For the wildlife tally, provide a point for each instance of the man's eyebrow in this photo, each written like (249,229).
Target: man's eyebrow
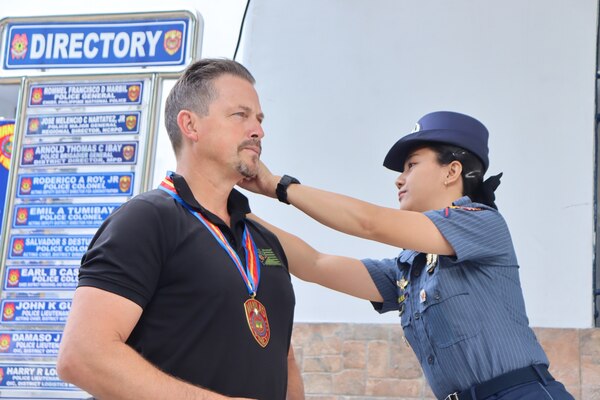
(260,116)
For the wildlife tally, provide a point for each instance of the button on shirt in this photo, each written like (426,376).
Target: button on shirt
(465,318)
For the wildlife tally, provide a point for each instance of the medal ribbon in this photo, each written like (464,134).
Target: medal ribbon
(251,273)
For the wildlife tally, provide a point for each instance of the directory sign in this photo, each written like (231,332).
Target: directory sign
(96,44)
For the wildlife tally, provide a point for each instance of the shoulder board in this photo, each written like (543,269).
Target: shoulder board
(467,208)
(447,209)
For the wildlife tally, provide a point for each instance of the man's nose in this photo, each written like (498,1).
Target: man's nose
(257,131)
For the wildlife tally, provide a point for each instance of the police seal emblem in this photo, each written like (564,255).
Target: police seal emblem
(6,139)
(172,41)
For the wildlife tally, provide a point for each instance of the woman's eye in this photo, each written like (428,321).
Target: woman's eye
(410,165)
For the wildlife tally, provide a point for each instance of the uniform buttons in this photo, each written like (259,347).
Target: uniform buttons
(437,295)
(416,272)
(430,359)
(417,315)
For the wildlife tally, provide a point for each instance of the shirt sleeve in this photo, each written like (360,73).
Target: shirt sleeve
(125,256)
(384,274)
(476,234)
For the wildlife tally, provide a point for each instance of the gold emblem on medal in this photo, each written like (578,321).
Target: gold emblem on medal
(256,315)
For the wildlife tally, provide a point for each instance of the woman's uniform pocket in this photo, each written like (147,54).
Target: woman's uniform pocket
(450,315)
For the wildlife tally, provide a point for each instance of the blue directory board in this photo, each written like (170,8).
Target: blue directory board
(86,126)
(126,43)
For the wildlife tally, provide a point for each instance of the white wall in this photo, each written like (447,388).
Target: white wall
(341,81)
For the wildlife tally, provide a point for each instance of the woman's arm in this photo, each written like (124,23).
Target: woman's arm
(344,274)
(403,229)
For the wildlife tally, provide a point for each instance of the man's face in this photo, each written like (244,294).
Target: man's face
(233,125)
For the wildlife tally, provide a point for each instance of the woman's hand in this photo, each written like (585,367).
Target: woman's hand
(263,183)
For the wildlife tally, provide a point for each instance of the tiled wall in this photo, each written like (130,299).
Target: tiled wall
(370,361)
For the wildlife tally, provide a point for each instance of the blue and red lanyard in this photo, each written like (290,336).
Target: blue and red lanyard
(251,273)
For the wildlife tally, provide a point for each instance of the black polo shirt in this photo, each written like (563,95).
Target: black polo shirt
(154,252)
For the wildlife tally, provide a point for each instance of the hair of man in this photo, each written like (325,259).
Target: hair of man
(194,91)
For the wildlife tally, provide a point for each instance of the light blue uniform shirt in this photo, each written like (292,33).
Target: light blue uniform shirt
(465,319)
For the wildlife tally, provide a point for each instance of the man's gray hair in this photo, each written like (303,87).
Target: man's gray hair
(194,91)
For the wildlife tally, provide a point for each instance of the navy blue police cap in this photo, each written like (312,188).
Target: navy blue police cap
(444,127)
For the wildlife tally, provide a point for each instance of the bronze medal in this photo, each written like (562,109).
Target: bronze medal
(256,315)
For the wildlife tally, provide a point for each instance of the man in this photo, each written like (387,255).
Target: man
(174,301)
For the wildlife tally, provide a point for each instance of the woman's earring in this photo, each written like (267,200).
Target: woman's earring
(445,183)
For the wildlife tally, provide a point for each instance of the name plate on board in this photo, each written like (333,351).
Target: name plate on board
(16,344)
(75,185)
(48,247)
(31,376)
(85,94)
(39,312)
(87,215)
(40,278)
(84,124)
(82,153)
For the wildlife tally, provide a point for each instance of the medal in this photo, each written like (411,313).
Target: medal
(256,315)
(255,311)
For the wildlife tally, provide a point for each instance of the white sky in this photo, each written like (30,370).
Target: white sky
(222,18)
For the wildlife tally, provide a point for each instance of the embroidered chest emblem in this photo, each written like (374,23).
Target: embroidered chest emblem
(268,258)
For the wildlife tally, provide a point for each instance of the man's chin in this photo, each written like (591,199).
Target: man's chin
(247,172)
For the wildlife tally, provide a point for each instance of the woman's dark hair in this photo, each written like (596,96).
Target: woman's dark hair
(474,186)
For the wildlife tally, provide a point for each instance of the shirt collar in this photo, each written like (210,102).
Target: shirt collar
(462,201)
(237,203)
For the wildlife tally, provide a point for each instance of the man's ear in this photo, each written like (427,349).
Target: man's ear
(188,124)
(454,171)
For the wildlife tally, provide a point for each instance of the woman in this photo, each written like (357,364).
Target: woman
(456,286)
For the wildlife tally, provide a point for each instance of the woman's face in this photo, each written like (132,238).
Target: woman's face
(421,185)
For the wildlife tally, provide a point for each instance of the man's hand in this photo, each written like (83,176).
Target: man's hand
(263,183)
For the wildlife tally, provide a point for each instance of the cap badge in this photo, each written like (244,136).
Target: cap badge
(417,128)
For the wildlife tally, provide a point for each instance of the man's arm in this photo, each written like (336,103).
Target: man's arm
(295,388)
(93,354)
